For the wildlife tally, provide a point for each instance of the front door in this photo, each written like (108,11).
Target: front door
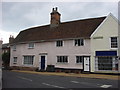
(42,62)
(86,63)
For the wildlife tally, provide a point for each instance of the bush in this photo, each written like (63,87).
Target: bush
(6,59)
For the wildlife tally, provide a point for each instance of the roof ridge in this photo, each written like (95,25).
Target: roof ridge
(64,22)
(84,19)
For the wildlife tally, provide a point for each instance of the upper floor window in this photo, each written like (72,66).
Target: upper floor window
(79,59)
(28,60)
(31,45)
(79,42)
(14,47)
(14,60)
(114,43)
(62,59)
(59,43)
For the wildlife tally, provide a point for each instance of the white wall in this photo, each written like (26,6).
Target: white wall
(50,48)
(109,28)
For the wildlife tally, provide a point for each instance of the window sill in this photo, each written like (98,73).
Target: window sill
(30,47)
(59,46)
(79,63)
(14,63)
(27,65)
(113,48)
(79,46)
(62,63)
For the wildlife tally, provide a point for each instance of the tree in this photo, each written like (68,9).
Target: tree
(6,59)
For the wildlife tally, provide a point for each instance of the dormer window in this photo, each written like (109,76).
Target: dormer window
(31,45)
(79,42)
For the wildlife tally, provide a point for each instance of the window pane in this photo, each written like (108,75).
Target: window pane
(105,63)
(62,59)
(15,59)
(82,42)
(28,60)
(75,42)
(79,59)
(31,45)
(59,43)
(114,42)
(79,42)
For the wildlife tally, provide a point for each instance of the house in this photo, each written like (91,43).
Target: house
(104,46)
(6,51)
(73,45)
(6,46)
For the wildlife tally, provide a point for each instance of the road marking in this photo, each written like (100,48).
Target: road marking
(24,78)
(52,85)
(74,81)
(106,86)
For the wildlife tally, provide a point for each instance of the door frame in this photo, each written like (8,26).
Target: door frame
(89,64)
(42,54)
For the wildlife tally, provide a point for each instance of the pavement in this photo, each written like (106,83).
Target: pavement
(80,75)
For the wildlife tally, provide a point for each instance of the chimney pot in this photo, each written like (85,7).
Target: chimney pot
(53,10)
(56,8)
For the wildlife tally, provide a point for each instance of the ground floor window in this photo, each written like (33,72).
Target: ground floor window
(28,60)
(79,59)
(14,60)
(106,63)
(62,59)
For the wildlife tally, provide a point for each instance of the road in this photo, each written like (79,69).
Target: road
(26,80)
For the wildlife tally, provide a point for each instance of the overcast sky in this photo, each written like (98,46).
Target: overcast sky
(18,16)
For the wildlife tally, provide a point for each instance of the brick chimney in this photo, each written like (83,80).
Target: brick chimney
(11,38)
(55,18)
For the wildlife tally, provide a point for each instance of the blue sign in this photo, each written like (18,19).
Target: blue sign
(106,53)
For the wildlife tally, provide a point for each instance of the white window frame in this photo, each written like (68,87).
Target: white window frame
(111,42)
(28,64)
(14,47)
(80,43)
(59,45)
(79,62)
(62,56)
(14,60)
(96,63)
(31,45)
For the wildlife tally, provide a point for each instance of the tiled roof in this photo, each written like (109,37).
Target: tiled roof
(73,29)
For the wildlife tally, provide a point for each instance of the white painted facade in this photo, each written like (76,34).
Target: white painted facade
(100,39)
(51,52)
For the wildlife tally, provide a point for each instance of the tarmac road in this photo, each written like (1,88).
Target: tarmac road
(28,80)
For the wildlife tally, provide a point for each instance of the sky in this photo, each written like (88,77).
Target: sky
(18,15)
